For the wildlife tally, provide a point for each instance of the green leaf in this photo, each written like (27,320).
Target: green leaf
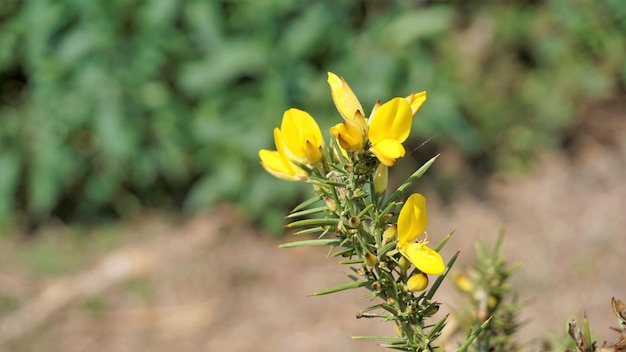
(443,242)
(313,222)
(389,339)
(414,25)
(437,283)
(352,261)
(307,203)
(309,243)
(307,212)
(343,287)
(473,336)
(346,252)
(310,231)
(408,183)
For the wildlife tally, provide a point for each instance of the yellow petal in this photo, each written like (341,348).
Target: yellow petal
(424,258)
(279,167)
(392,120)
(416,100)
(345,100)
(388,151)
(302,135)
(413,219)
(349,135)
(312,153)
(278,162)
(376,106)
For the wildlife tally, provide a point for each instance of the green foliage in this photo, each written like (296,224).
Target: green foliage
(491,297)
(109,106)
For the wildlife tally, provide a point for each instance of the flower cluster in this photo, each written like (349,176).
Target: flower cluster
(299,139)
(349,175)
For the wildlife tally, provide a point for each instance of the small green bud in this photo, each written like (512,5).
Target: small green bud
(354,222)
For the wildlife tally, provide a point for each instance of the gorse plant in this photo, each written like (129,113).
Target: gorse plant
(491,296)
(352,213)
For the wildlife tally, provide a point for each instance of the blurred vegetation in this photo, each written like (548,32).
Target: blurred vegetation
(107,107)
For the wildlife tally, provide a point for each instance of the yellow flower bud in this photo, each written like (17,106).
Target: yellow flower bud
(390,233)
(417,282)
(491,301)
(370,259)
(404,263)
(330,204)
(463,283)
(380,179)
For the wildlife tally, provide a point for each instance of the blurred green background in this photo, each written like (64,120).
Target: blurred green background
(108,107)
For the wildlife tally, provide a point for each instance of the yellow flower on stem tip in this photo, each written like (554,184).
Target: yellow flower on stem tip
(412,223)
(302,136)
(278,163)
(389,126)
(352,132)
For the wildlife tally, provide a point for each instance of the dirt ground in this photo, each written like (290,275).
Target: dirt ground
(213,283)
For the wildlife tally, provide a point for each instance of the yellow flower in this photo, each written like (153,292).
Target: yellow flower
(352,132)
(278,163)
(302,136)
(389,126)
(298,139)
(412,223)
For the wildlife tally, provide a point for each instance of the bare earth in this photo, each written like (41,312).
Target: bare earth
(214,283)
